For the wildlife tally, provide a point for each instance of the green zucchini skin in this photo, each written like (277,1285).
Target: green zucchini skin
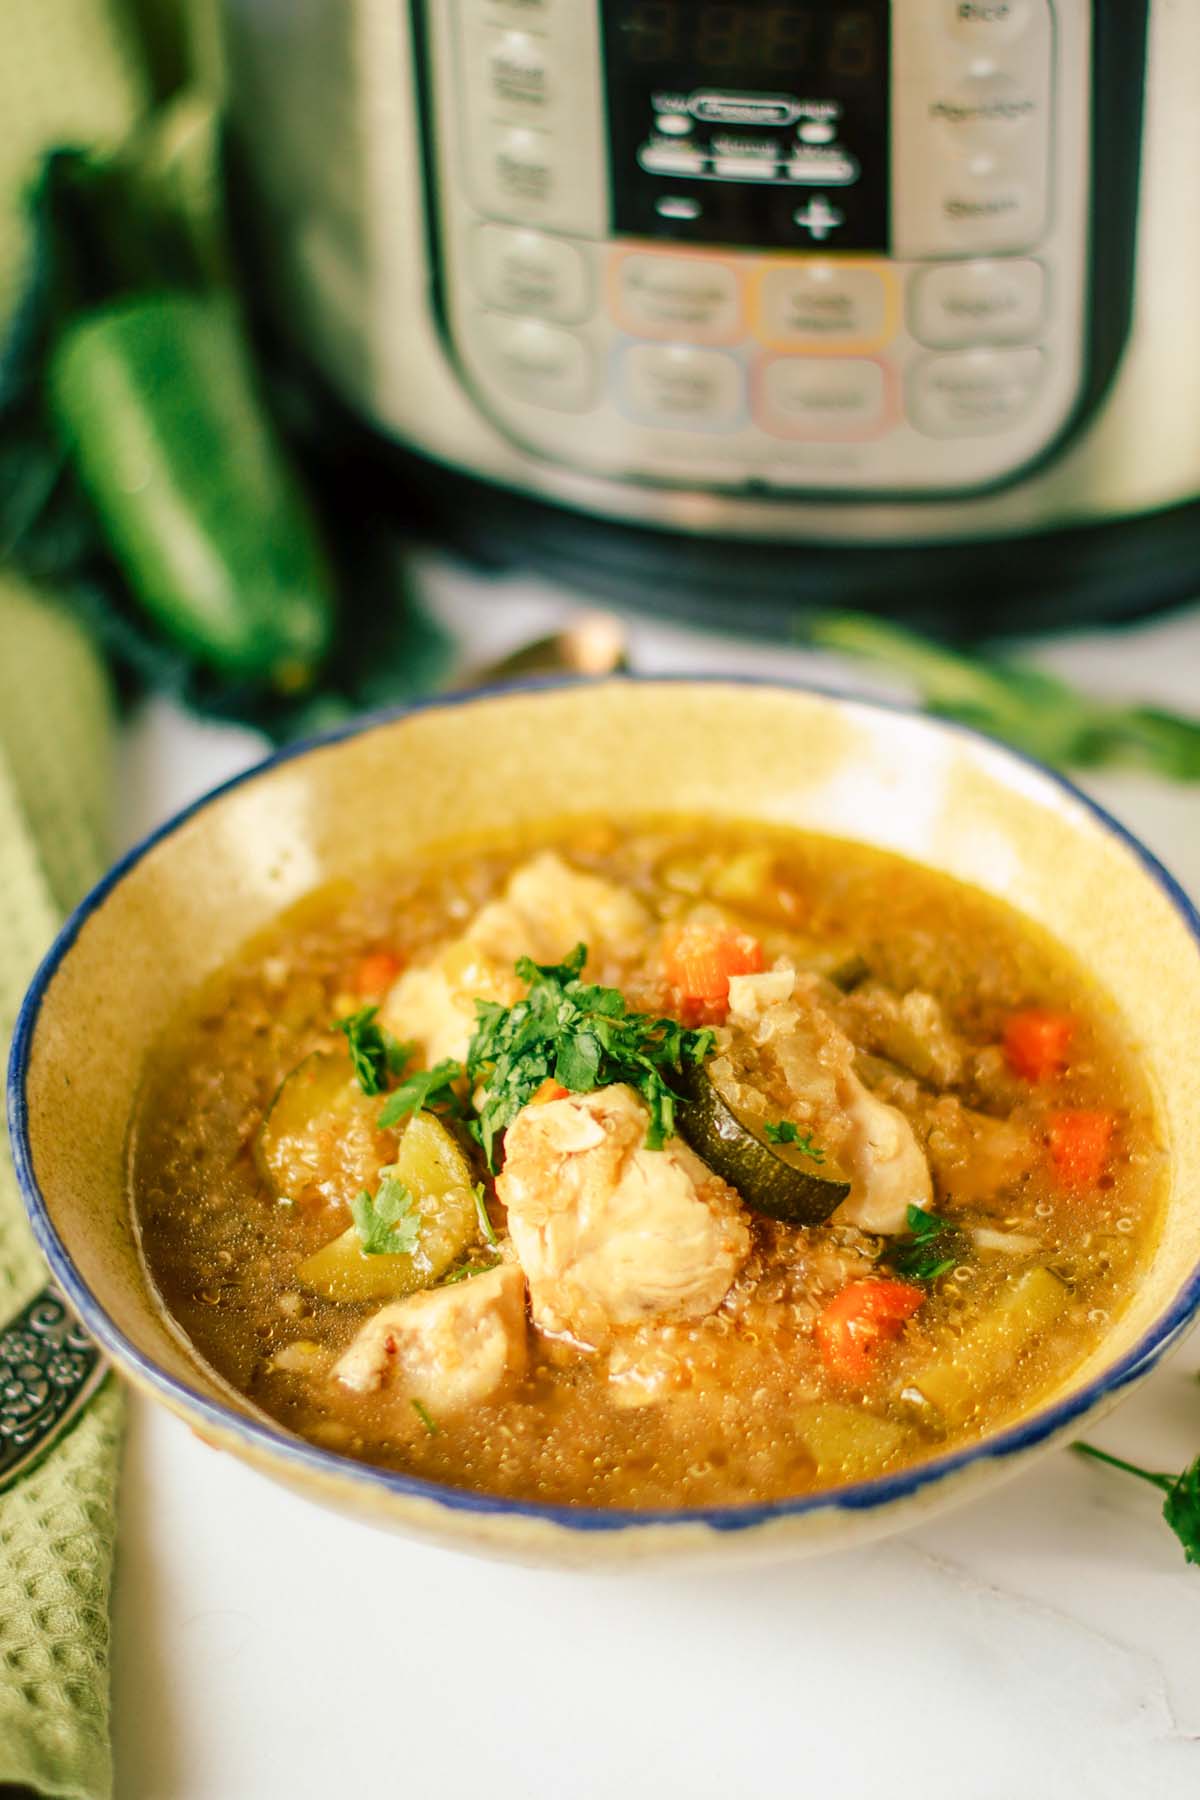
(156,402)
(766,1182)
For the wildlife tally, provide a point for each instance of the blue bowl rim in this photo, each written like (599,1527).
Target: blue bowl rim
(277,1444)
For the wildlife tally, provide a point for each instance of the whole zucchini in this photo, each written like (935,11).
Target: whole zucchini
(157,405)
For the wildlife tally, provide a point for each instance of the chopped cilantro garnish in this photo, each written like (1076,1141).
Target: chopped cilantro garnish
(375,1053)
(580,1035)
(924,1257)
(387,1222)
(485,1223)
(428,1089)
(1181,1508)
(785,1132)
(426,1418)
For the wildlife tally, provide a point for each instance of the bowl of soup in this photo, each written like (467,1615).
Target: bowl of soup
(599,1121)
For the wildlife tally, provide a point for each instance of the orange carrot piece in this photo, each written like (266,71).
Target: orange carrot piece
(859,1320)
(1079,1144)
(1037,1042)
(698,959)
(376,973)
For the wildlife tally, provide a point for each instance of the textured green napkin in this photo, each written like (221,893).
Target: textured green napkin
(58,1524)
(70,71)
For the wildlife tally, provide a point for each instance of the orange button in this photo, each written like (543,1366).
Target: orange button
(825,306)
(690,299)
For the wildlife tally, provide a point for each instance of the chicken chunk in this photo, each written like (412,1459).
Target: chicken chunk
(449,1347)
(611,1233)
(783,1041)
(890,1170)
(978,1159)
(549,907)
(545,910)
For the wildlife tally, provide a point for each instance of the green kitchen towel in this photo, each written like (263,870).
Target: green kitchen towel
(58,1524)
(72,71)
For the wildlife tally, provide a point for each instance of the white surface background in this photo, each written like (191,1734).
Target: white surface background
(1042,1642)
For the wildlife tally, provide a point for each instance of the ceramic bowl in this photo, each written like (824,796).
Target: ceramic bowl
(182,904)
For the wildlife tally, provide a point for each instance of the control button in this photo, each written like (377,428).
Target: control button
(974,393)
(670,384)
(977,302)
(1002,214)
(818,218)
(528,272)
(988,107)
(744,109)
(817,164)
(985,23)
(540,363)
(695,297)
(522,167)
(745,168)
(671,159)
(823,305)
(825,397)
(516,73)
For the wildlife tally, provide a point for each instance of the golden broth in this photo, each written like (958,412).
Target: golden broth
(745,1407)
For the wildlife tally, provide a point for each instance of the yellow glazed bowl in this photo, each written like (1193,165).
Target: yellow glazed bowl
(182,905)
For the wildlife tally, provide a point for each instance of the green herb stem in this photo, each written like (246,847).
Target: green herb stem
(485,1222)
(428,1421)
(1163,1482)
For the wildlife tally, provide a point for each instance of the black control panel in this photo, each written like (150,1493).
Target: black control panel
(752,123)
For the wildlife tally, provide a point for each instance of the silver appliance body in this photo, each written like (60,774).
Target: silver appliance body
(836,273)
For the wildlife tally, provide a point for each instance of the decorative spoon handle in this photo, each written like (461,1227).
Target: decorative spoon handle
(49,1370)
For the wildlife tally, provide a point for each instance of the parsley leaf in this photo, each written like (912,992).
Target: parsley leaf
(1181,1508)
(785,1132)
(580,1035)
(375,1053)
(427,1089)
(932,1247)
(387,1222)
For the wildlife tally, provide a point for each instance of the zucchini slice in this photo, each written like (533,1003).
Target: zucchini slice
(435,1172)
(967,1370)
(846,1442)
(769,1177)
(320,1132)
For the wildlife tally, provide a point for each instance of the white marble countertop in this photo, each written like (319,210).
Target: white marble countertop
(1041,1642)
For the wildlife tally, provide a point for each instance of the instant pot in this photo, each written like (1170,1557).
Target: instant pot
(743,306)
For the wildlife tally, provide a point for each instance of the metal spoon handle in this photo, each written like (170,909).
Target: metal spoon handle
(49,1370)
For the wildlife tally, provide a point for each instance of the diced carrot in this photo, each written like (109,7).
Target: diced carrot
(376,973)
(1037,1042)
(549,1090)
(698,959)
(859,1320)
(698,1013)
(1079,1146)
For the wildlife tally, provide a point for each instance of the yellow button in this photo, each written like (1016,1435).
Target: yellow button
(825,305)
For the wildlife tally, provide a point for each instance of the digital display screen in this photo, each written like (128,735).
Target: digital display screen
(805,43)
(754,123)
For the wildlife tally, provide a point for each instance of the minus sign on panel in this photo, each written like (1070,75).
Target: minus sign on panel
(677,206)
